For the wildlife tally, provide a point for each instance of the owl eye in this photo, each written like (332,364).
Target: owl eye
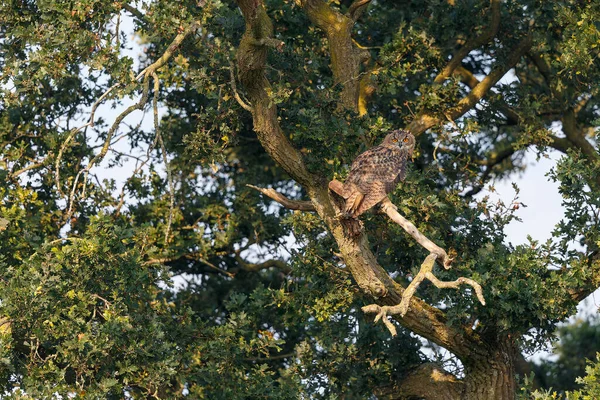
(394,140)
(405,140)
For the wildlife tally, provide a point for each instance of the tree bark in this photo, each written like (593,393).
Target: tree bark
(491,374)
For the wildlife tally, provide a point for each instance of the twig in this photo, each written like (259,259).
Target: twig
(164,156)
(424,273)
(146,72)
(284,201)
(236,95)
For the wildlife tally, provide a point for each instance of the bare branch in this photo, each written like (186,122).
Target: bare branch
(284,201)
(392,212)
(424,273)
(456,284)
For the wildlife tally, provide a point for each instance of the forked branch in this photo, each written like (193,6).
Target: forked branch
(424,273)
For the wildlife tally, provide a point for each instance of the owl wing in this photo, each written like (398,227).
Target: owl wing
(379,164)
(372,175)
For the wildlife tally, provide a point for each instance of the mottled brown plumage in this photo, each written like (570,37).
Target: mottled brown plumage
(375,173)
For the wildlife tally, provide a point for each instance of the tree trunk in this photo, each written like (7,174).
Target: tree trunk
(491,375)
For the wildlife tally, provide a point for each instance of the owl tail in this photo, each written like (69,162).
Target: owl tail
(353,203)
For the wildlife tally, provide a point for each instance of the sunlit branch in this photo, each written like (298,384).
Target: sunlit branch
(424,273)
(427,120)
(488,34)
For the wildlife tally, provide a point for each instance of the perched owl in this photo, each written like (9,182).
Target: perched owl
(375,173)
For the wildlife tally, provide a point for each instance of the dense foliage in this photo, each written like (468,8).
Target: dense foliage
(100,213)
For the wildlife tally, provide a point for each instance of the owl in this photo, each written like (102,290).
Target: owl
(375,173)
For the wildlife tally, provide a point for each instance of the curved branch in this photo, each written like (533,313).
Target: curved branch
(236,95)
(252,57)
(427,120)
(284,201)
(424,273)
(345,55)
(487,35)
(357,8)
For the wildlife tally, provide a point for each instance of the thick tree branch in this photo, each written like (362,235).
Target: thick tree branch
(252,267)
(575,136)
(357,8)
(471,81)
(345,56)
(427,119)
(251,57)
(135,12)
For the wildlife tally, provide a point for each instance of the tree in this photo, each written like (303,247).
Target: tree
(255,106)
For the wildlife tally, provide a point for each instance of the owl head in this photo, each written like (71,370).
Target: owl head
(400,138)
